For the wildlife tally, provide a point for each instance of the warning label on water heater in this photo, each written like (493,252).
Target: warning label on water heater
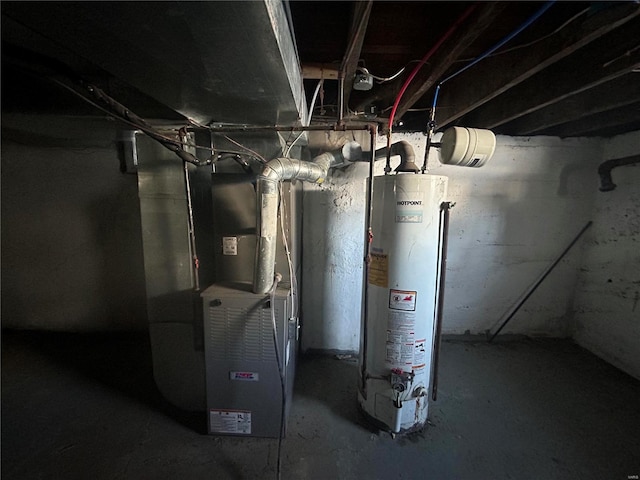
(402,300)
(230,421)
(400,339)
(379,270)
(420,354)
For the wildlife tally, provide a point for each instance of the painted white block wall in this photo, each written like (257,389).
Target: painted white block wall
(512,218)
(607,317)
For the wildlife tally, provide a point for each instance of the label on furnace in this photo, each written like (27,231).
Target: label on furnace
(230,421)
(230,245)
(244,376)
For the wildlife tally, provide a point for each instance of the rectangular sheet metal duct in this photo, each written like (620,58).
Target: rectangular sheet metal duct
(227,62)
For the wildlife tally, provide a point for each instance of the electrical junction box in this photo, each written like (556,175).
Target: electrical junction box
(363,81)
(244,393)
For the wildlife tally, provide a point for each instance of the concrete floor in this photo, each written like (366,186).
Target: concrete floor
(85,407)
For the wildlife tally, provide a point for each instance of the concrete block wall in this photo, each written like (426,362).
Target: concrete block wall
(71,245)
(72,255)
(512,217)
(607,307)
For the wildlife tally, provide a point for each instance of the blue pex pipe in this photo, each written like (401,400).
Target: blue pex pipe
(509,37)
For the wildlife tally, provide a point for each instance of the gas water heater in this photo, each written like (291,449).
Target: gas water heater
(396,357)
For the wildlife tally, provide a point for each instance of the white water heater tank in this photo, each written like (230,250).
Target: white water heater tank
(403,274)
(467,147)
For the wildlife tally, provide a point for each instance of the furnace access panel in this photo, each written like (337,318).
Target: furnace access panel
(244,395)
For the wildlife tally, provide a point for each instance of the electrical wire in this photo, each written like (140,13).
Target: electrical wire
(533,42)
(272,293)
(484,55)
(255,154)
(292,277)
(308,122)
(506,39)
(383,79)
(145,128)
(108,112)
(431,123)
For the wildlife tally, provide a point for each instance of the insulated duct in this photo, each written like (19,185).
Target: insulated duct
(274,172)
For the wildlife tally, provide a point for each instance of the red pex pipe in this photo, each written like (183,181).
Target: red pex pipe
(437,45)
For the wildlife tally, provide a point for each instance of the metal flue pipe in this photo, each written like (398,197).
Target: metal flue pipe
(274,172)
(407,156)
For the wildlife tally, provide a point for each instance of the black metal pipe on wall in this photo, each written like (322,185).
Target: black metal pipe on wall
(604,170)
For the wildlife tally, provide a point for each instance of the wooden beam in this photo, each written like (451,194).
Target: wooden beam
(617,93)
(318,71)
(495,75)
(442,60)
(593,124)
(361,13)
(617,54)
(481,19)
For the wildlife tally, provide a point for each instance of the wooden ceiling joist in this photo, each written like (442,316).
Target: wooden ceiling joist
(439,63)
(601,122)
(617,54)
(496,75)
(449,53)
(615,94)
(349,65)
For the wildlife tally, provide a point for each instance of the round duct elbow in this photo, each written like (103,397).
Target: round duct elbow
(467,147)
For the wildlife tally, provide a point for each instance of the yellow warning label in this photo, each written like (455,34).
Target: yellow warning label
(379,270)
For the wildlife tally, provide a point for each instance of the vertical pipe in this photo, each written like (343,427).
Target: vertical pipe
(428,55)
(445,208)
(341,98)
(192,231)
(431,126)
(367,259)
(387,167)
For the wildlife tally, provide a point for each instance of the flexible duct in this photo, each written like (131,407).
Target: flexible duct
(274,172)
(604,170)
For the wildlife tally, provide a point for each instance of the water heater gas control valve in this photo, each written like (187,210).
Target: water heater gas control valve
(400,381)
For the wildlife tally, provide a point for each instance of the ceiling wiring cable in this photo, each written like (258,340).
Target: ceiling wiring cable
(537,40)
(137,122)
(107,111)
(431,125)
(254,153)
(123,114)
(495,47)
(292,277)
(424,59)
(310,114)
(382,79)
(506,39)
